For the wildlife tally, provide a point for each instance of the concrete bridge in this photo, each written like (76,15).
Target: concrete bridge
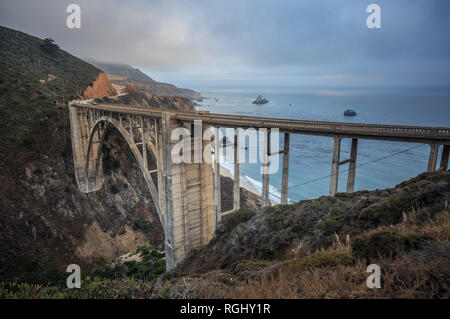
(187,196)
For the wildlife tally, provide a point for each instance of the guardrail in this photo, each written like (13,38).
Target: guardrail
(295,126)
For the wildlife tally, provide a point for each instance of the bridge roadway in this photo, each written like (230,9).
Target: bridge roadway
(400,133)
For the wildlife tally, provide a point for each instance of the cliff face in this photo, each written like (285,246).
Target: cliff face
(146,99)
(138,97)
(100,88)
(124,75)
(46,220)
(166,89)
(46,223)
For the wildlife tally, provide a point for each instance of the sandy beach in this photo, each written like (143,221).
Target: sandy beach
(243,183)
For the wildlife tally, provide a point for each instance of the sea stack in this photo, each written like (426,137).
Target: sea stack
(260,100)
(350,113)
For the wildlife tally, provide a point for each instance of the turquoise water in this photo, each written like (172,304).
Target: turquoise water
(310,160)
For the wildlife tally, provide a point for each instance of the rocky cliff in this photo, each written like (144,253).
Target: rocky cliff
(124,75)
(138,97)
(100,88)
(45,222)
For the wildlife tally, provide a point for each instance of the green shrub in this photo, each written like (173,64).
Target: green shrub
(248,266)
(390,211)
(30,265)
(387,243)
(125,288)
(109,163)
(55,277)
(141,224)
(25,137)
(235,218)
(327,258)
(114,189)
(151,266)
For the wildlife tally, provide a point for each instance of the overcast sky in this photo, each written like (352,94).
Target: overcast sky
(235,43)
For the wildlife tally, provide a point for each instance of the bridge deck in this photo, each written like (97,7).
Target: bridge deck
(403,133)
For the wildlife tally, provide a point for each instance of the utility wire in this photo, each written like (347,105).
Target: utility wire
(345,170)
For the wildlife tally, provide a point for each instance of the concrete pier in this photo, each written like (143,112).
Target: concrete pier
(444,157)
(285,177)
(237,174)
(334,178)
(217,186)
(190,216)
(432,160)
(352,166)
(265,201)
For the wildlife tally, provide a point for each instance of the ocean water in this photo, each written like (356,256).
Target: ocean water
(310,158)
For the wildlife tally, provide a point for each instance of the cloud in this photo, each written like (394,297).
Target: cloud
(243,38)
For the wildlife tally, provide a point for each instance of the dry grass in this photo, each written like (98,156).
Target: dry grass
(401,278)
(331,273)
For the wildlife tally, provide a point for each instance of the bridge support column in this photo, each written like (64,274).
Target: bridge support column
(78,148)
(265,175)
(206,189)
(144,143)
(189,215)
(160,164)
(88,166)
(217,190)
(236,175)
(285,178)
(433,158)
(130,117)
(335,166)
(352,166)
(444,158)
(169,224)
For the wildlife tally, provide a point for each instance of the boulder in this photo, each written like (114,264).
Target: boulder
(350,113)
(260,100)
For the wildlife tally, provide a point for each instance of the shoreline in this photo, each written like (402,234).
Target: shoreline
(244,184)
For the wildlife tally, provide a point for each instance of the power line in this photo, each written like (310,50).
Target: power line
(360,165)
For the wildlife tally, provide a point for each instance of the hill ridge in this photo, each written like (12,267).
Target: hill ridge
(124,74)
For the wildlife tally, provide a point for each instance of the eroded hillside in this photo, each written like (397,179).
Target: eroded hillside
(125,75)
(46,223)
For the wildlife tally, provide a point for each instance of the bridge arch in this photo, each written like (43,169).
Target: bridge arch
(184,198)
(93,160)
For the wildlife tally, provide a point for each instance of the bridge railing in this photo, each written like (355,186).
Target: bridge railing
(289,124)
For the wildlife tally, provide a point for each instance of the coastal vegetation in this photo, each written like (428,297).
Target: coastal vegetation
(311,249)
